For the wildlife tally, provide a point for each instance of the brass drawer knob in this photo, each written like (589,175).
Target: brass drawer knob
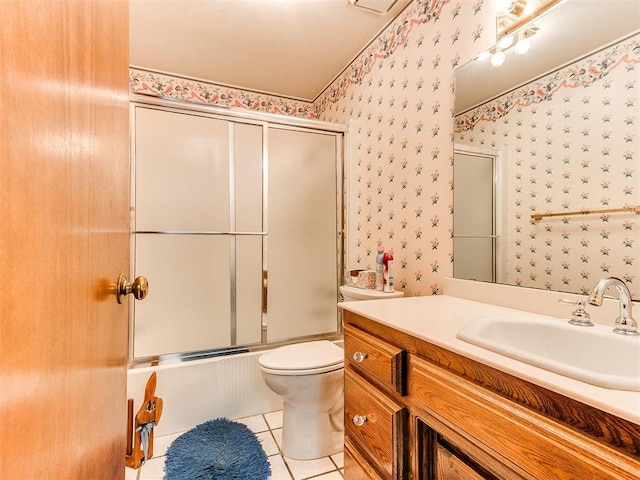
(359,420)
(359,357)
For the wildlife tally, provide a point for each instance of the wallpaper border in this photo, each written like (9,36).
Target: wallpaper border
(166,85)
(393,37)
(162,85)
(579,73)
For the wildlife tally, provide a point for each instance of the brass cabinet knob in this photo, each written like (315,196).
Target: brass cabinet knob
(139,287)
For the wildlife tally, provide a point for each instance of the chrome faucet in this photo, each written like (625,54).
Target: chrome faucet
(625,324)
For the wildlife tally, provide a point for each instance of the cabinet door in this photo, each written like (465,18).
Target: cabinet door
(450,467)
(376,425)
(355,466)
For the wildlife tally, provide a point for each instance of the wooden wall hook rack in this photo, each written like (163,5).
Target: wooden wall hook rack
(140,430)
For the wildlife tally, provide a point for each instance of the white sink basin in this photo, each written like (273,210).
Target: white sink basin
(593,355)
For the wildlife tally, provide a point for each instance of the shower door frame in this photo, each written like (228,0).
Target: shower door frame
(266,121)
(497,158)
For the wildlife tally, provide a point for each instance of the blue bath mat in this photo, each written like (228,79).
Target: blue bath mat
(217,450)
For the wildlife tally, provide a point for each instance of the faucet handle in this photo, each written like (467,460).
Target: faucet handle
(579,316)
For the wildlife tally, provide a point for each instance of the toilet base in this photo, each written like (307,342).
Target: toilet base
(312,392)
(310,435)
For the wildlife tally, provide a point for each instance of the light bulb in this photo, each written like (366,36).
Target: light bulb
(483,56)
(506,42)
(498,58)
(503,6)
(522,46)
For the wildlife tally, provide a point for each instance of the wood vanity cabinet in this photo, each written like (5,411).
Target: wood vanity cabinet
(416,411)
(375,421)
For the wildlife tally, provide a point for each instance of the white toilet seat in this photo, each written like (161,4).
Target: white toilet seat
(309,358)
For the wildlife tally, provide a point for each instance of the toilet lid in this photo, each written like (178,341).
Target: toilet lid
(318,355)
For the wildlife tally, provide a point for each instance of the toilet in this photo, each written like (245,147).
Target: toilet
(309,377)
(349,293)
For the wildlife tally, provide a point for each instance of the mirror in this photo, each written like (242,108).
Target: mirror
(560,125)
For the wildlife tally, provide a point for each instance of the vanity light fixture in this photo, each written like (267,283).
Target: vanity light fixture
(483,56)
(523,45)
(379,7)
(513,14)
(517,7)
(498,58)
(510,11)
(506,42)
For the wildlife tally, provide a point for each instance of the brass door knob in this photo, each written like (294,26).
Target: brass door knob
(139,287)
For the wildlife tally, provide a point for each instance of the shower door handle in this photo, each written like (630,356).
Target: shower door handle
(265,290)
(139,288)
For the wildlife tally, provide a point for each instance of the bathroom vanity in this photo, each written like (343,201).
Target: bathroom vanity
(421,404)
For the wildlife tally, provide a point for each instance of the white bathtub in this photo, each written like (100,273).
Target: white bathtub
(199,390)
(195,391)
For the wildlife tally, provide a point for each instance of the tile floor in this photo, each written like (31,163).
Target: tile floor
(268,429)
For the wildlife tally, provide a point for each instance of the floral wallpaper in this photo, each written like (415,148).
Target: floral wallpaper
(399,96)
(570,140)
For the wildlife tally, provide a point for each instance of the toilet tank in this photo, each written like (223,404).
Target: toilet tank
(354,294)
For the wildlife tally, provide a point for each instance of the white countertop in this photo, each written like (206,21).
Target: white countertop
(437,320)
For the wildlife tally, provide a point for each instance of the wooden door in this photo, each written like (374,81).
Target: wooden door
(64,196)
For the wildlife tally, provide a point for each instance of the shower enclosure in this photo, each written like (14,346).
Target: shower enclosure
(237,225)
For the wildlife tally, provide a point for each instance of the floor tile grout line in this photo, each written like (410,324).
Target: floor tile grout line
(334,463)
(284,460)
(286,465)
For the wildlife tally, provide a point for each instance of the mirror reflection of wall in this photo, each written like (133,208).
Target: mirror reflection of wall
(569,140)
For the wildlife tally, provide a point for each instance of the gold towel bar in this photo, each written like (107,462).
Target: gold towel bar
(536,217)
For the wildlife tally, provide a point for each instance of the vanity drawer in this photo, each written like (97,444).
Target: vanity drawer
(512,437)
(375,359)
(355,466)
(376,425)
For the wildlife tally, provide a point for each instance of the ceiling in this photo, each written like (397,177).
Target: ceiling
(296,48)
(292,48)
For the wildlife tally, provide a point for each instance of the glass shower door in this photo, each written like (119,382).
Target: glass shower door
(236,224)
(302,244)
(197,181)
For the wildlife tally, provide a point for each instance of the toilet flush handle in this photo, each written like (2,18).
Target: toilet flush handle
(359,357)
(359,420)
